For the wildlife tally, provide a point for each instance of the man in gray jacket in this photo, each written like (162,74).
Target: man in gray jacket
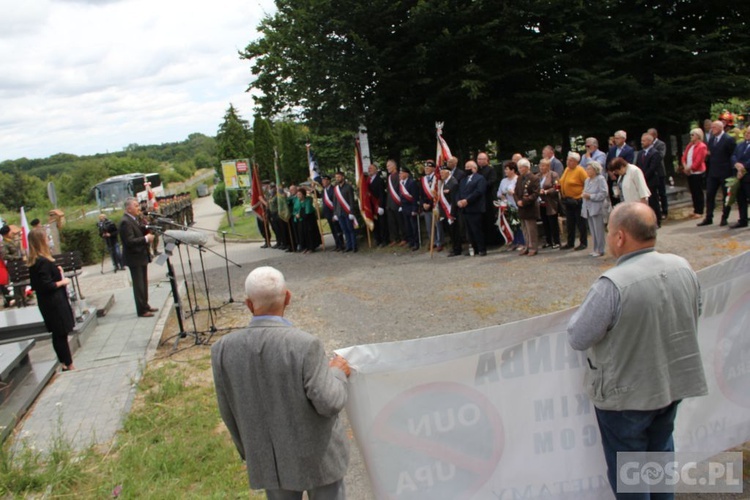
(280,398)
(643,357)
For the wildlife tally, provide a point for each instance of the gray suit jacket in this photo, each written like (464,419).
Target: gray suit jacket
(280,401)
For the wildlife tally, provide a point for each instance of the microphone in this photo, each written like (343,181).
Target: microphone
(189,237)
(152,214)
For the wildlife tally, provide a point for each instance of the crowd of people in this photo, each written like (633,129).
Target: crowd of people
(473,204)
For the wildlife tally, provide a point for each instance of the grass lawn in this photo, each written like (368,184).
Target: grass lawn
(173,444)
(245,226)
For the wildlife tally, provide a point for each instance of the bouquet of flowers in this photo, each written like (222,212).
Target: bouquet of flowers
(733,184)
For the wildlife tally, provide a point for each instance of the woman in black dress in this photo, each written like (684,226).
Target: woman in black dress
(48,282)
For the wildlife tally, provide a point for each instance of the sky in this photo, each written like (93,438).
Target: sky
(93,76)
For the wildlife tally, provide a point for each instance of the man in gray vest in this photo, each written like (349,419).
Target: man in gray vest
(280,398)
(643,357)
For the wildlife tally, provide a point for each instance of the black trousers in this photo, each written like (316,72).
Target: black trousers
(551,228)
(381,229)
(475,230)
(574,220)
(411,229)
(653,201)
(139,276)
(661,187)
(695,183)
(713,184)
(743,195)
(62,348)
(396,231)
(454,231)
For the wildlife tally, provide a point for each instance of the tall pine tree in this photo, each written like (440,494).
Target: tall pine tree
(264,143)
(232,137)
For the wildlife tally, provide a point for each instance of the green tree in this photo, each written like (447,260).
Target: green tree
(231,140)
(265,144)
(292,153)
(509,72)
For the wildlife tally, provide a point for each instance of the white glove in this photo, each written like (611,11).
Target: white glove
(335,218)
(351,217)
(380,211)
(400,209)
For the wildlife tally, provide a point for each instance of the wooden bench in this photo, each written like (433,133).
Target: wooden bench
(71,263)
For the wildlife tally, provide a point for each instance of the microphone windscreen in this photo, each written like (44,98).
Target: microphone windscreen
(188,237)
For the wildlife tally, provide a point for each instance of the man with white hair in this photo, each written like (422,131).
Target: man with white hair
(619,150)
(721,147)
(280,398)
(592,152)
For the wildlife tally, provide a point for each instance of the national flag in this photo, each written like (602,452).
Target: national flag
(363,185)
(312,164)
(256,195)
(24,231)
(443,153)
(280,198)
(503,224)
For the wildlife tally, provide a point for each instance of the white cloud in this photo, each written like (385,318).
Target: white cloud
(85,76)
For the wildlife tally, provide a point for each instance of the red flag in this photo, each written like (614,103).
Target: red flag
(504,226)
(256,195)
(365,202)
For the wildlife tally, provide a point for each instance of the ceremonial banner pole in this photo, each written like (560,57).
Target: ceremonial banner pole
(315,196)
(442,155)
(265,211)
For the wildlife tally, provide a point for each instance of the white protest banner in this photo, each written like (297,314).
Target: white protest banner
(501,413)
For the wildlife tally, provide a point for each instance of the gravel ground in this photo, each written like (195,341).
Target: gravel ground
(386,295)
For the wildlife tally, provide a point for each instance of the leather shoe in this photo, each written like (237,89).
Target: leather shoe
(451,254)
(147,314)
(532,253)
(565,247)
(482,254)
(153,309)
(580,247)
(705,222)
(738,225)
(264,246)
(723,222)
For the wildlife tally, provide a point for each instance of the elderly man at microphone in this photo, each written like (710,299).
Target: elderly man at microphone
(136,240)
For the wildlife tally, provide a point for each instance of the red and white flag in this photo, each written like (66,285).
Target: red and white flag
(504,226)
(363,185)
(24,231)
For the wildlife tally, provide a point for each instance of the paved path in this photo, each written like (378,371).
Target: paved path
(87,406)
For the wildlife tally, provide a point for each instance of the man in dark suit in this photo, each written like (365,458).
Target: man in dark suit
(343,211)
(661,147)
(720,148)
(329,201)
(135,245)
(554,164)
(378,200)
(280,398)
(393,206)
(619,150)
(649,161)
(471,201)
(447,204)
(408,190)
(491,232)
(741,162)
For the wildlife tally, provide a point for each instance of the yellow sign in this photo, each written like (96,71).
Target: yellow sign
(236,174)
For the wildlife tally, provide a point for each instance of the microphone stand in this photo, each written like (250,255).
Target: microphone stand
(201,248)
(176,298)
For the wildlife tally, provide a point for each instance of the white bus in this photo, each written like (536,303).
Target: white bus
(115,190)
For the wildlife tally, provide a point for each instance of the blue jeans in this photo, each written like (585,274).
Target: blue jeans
(347,227)
(633,430)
